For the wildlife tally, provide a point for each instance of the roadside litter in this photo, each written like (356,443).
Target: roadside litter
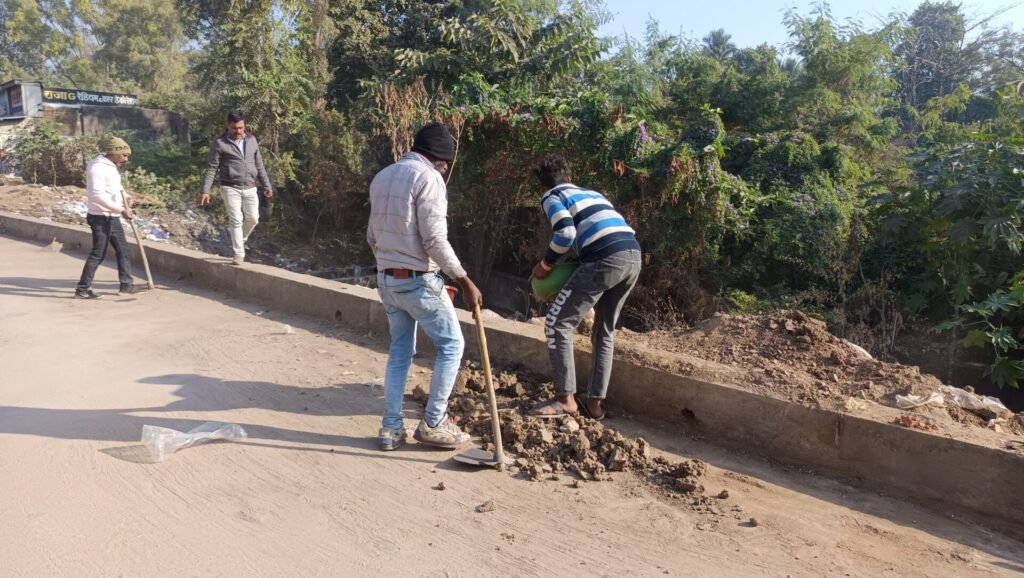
(162,442)
(76,208)
(934,399)
(853,404)
(860,351)
(152,229)
(983,405)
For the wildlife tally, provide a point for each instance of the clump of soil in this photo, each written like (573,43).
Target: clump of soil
(915,422)
(791,356)
(547,448)
(786,355)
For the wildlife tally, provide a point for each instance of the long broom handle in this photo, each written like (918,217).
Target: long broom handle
(499,450)
(138,239)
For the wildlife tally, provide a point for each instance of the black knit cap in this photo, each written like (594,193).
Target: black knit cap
(434,140)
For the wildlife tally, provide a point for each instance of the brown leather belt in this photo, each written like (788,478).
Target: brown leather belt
(403,273)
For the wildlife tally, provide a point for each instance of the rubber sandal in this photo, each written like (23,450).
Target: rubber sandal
(559,411)
(581,402)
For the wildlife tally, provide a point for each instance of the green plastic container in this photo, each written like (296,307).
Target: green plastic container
(548,287)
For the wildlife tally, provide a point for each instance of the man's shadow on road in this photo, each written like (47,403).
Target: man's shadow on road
(49,288)
(200,393)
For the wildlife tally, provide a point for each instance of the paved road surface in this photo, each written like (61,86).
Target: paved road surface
(308,495)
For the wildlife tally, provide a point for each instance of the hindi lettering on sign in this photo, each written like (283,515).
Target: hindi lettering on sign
(69,96)
(58,95)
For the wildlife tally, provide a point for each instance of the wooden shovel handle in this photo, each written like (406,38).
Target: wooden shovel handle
(499,450)
(142,248)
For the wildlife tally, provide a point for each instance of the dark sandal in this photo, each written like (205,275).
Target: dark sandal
(581,402)
(558,410)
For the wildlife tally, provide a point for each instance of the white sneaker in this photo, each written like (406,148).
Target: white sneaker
(391,439)
(445,435)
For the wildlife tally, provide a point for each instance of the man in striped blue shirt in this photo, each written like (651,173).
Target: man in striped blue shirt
(587,222)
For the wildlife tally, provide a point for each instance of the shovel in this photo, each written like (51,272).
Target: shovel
(479,456)
(142,248)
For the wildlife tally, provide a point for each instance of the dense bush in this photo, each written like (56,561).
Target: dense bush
(158,169)
(42,156)
(869,178)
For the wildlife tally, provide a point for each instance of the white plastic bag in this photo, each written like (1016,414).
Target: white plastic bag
(934,399)
(983,405)
(853,405)
(162,441)
(858,350)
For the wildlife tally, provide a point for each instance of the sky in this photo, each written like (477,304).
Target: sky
(752,22)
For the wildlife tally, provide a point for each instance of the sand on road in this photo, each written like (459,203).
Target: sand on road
(308,494)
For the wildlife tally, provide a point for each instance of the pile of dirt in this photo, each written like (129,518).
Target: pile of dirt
(787,355)
(546,448)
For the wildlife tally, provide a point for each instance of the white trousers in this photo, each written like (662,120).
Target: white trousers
(243,213)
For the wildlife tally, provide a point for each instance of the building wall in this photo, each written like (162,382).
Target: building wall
(66,119)
(149,122)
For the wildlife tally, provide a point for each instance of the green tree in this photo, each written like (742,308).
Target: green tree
(752,91)
(932,53)
(843,90)
(636,75)
(142,47)
(257,59)
(718,45)
(369,32)
(50,40)
(505,42)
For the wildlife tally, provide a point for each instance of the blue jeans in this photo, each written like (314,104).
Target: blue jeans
(419,301)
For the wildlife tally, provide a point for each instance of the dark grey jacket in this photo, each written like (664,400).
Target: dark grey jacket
(225,162)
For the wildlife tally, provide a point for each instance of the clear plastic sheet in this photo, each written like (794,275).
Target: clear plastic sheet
(162,442)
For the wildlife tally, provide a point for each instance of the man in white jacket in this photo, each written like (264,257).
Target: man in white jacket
(408,232)
(106,206)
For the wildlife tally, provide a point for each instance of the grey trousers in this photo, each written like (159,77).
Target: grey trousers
(603,286)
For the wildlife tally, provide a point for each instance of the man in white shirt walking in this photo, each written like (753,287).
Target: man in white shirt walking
(236,162)
(106,206)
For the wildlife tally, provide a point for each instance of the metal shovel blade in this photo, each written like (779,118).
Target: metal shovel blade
(480,457)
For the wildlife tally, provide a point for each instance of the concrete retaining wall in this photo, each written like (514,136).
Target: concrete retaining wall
(150,123)
(931,469)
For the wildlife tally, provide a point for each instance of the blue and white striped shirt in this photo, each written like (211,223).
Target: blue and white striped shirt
(587,221)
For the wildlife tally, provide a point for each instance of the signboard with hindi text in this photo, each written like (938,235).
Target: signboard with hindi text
(73,96)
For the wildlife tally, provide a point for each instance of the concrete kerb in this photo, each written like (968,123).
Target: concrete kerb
(938,471)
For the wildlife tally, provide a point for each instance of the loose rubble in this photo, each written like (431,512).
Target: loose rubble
(545,449)
(792,356)
(915,422)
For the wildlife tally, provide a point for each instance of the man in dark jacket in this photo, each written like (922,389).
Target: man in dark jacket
(236,162)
